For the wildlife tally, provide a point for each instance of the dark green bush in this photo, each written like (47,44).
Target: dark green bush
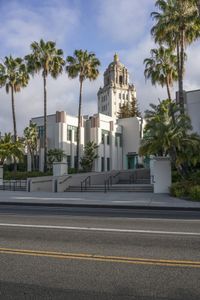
(180,189)
(195,192)
(24,175)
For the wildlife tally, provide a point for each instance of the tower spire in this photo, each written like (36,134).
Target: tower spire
(116,57)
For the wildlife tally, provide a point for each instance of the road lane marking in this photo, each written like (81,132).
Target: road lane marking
(101,229)
(102,258)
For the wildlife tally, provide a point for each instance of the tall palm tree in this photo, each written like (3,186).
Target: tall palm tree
(161,68)
(177,25)
(14,76)
(83,65)
(47,58)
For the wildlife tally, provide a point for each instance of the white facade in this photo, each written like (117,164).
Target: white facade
(116,90)
(118,140)
(61,134)
(192,107)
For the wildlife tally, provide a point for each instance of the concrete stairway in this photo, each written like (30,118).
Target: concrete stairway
(148,188)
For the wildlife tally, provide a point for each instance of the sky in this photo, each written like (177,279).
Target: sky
(100,26)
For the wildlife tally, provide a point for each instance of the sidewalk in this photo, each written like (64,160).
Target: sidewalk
(111,200)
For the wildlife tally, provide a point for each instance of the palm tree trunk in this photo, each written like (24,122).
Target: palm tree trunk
(181,96)
(13,114)
(168,89)
(14,122)
(79,126)
(178,68)
(45,122)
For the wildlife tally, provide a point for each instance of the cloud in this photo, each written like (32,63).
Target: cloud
(124,21)
(21,24)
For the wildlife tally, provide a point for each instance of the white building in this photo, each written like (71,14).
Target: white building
(118,140)
(116,90)
(192,107)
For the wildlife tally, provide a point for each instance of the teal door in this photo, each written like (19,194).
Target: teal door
(132,161)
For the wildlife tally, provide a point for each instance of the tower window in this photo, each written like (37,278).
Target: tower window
(120,95)
(124,96)
(120,79)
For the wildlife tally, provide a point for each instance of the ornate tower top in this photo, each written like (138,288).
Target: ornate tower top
(116,57)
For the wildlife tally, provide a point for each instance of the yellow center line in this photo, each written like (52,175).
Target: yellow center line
(102,258)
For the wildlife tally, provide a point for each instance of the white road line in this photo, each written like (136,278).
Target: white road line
(99,229)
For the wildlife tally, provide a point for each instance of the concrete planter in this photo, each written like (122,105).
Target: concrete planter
(1,174)
(60,168)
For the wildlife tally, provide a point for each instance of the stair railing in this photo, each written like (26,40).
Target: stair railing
(85,183)
(108,183)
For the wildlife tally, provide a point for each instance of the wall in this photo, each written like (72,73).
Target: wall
(193,108)
(131,137)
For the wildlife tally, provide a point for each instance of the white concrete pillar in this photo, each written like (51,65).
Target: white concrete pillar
(1,174)
(161,174)
(60,168)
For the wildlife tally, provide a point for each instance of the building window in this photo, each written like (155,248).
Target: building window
(120,96)
(69,162)
(40,131)
(108,139)
(102,164)
(120,79)
(118,136)
(108,163)
(126,96)
(69,133)
(123,96)
(75,133)
(103,133)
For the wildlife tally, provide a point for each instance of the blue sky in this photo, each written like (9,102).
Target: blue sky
(102,26)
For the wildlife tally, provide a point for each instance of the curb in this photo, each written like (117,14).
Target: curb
(99,206)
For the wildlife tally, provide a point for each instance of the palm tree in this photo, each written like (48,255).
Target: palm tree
(47,58)
(161,68)
(83,65)
(177,25)
(14,76)
(164,137)
(10,149)
(31,141)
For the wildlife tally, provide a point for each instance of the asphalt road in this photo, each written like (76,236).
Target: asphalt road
(69,253)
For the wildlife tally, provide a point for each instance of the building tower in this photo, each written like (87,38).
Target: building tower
(116,90)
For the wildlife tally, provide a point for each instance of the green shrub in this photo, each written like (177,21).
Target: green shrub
(24,175)
(195,192)
(180,189)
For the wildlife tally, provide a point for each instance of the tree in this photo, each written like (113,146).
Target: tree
(83,65)
(55,155)
(90,154)
(14,76)
(164,137)
(177,25)
(161,68)
(31,141)
(47,58)
(129,110)
(10,150)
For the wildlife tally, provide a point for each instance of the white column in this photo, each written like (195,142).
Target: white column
(161,174)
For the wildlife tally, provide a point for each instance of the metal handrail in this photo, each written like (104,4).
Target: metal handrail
(85,182)
(64,180)
(108,183)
